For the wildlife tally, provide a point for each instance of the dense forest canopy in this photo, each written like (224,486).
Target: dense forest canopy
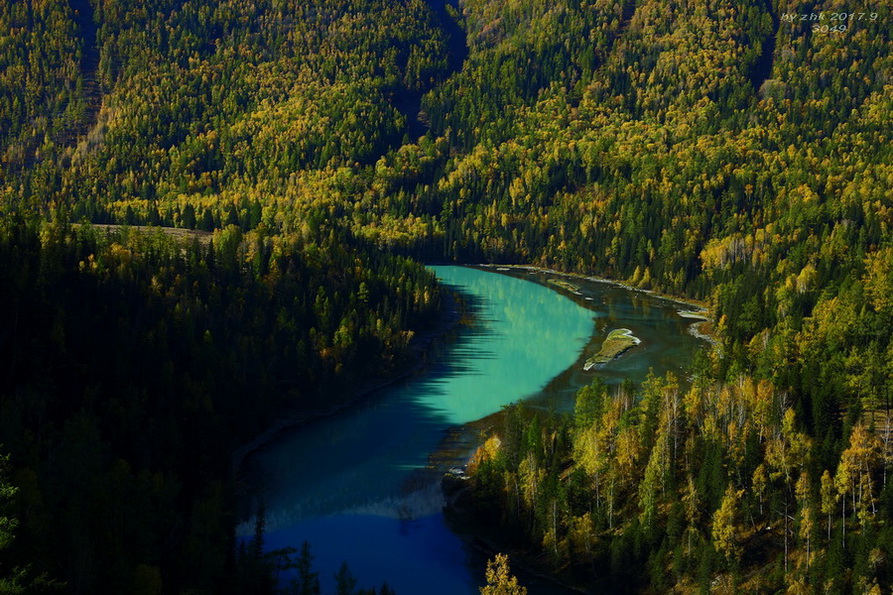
(135,363)
(733,151)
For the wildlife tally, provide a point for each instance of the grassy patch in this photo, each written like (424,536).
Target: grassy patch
(571,287)
(617,342)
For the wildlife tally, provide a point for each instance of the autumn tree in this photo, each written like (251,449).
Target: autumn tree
(499,578)
(854,479)
(725,532)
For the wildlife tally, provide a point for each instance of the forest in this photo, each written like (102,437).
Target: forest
(135,362)
(719,150)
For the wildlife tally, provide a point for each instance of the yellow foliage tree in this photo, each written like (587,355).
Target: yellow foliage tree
(725,537)
(500,580)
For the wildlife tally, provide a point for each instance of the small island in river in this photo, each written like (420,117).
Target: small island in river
(566,285)
(618,342)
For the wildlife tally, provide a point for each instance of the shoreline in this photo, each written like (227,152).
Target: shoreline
(522,561)
(702,307)
(695,330)
(450,318)
(458,511)
(694,311)
(700,315)
(418,348)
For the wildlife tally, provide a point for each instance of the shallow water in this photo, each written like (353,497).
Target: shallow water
(360,486)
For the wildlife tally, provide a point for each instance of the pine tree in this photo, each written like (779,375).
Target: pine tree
(308,581)
(344,580)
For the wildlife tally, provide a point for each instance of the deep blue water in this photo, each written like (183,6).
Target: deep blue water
(360,487)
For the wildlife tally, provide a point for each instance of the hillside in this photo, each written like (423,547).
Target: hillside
(732,151)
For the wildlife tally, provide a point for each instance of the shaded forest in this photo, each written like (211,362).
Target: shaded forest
(136,364)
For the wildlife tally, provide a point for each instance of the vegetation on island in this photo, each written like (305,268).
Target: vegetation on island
(724,151)
(618,342)
(565,285)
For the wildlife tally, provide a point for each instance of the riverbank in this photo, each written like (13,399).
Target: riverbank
(452,314)
(696,309)
(701,305)
(452,311)
(525,566)
(462,513)
(460,507)
(356,485)
(463,518)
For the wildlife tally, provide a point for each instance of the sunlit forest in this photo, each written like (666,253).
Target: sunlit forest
(214,213)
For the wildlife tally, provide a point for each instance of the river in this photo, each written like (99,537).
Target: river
(361,486)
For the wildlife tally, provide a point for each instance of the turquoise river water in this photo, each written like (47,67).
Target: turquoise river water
(361,487)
